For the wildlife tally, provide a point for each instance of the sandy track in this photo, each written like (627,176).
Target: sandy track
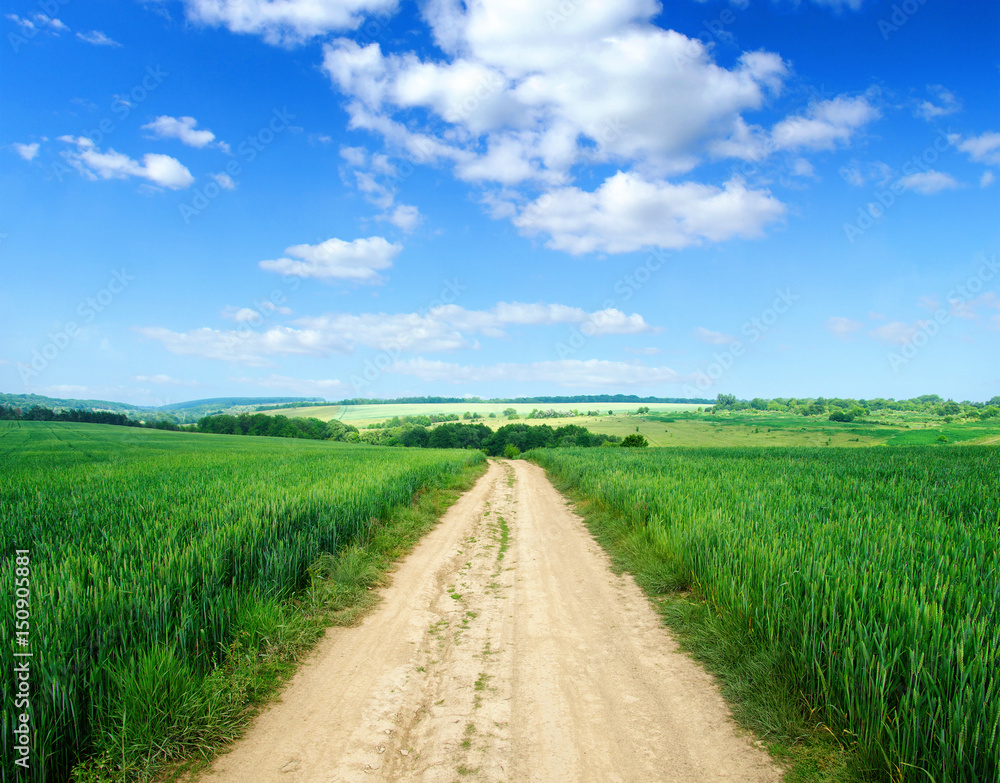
(529,661)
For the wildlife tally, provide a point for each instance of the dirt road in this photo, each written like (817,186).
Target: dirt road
(504,650)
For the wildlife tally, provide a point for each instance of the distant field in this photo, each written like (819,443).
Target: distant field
(682,425)
(360,415)
(708,430)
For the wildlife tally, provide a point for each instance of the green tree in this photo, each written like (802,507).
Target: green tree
(635,441)
(725,401)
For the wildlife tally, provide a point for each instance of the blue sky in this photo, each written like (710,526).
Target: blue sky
(344,198)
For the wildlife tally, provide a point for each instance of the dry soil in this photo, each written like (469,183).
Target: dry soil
(489,661)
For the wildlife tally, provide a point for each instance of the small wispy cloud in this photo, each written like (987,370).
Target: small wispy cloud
(97,38)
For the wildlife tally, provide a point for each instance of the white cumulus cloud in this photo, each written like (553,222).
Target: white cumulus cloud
(161,170)
(628,212)
(285,21)
(26,151)
(181,128)
(982,149)
(825,125)
(928,182)
(359,260)
(442,328)
(405,217)
(947,103)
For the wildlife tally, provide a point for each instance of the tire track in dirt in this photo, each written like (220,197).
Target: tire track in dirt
(504,650)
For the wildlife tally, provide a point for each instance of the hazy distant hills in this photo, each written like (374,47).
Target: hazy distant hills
(178,411)
(192,410)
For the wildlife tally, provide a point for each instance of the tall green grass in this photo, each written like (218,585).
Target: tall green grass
(872,576)
(154,555)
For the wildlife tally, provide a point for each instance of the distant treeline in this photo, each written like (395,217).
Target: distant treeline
(26,401)
(846,409)
(522,437)
(38,413)
(277,427)
(478,436)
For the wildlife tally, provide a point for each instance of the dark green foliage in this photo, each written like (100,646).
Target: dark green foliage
(478,436)
(276,426)
(634,441)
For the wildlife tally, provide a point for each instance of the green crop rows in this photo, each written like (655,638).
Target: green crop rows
(145,541)
(873,575)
